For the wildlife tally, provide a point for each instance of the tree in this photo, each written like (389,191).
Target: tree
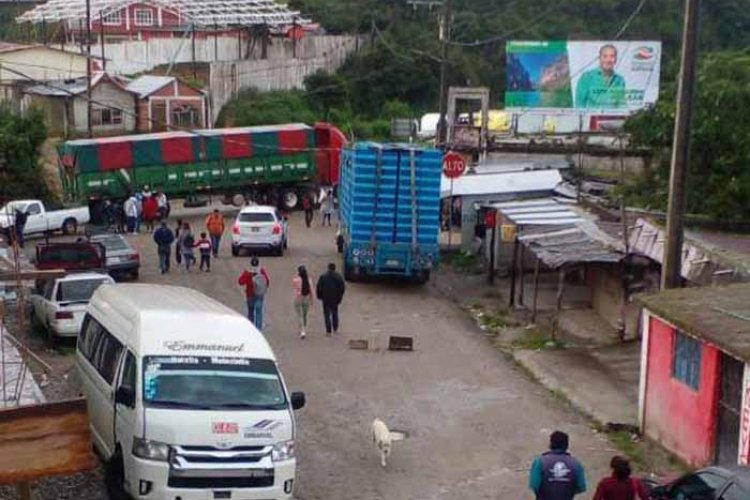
(718,177)
(21,138)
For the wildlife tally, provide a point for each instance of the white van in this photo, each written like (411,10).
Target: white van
(185,398)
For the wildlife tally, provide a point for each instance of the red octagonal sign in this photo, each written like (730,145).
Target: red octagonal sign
(454,165)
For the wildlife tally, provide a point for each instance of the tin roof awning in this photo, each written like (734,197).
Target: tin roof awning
(582,243)
(539,212)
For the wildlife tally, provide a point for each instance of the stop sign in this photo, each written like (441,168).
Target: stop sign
(454,165)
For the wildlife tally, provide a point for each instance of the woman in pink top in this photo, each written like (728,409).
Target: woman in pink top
(303,295)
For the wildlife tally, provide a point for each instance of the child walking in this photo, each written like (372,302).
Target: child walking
(303,295)
(204,247)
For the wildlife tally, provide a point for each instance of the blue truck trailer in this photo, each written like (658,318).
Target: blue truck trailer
(390,210)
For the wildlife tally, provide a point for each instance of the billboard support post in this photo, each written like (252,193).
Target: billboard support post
(445,31)
(671,271)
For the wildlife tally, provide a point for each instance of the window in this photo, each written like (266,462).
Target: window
(686,360)
(257,217)
(112,19)
(703,486)
(91,331)
(128,372)
(107,355)
(185,116)
(106,116)
(735,492)
(144,17)
(79,291)
(34,209)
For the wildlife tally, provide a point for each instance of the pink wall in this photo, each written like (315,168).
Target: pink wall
(681,419)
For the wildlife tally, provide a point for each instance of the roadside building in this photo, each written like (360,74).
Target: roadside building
(22,65)
(694,395)
(167,102)
(65,105)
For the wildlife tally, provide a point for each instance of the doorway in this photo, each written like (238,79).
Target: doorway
(728,418)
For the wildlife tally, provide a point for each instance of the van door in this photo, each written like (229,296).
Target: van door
(125,413)
(106,360)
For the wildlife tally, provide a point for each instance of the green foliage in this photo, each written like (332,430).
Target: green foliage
(21,138)
(252,107)
(719,181)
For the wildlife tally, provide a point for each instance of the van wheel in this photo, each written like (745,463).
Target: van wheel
(235,251)
(114,477)
(70,226)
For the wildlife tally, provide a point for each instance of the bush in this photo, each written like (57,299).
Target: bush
(21,138)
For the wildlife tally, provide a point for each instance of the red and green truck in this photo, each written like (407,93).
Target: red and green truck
(275,164)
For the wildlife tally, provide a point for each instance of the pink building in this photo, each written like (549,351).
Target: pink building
(695,381)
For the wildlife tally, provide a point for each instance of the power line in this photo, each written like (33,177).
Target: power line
(534,20)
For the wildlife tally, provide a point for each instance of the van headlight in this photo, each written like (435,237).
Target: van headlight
(282,451)
(150,450)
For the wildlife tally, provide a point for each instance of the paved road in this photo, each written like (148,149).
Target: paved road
(473,419)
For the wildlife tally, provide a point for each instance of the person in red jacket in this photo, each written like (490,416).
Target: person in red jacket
(150,211)
(256,282)
(620,486)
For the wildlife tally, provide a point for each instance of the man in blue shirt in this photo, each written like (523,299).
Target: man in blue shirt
(556,474)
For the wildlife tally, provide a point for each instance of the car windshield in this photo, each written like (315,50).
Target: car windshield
(212,383)
(112,244)
(256,217)
(78,290)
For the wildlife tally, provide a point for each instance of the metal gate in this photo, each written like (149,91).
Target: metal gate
(730,403)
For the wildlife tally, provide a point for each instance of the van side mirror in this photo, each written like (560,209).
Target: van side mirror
(125,396)
(298,400)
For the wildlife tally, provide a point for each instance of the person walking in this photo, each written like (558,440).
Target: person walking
(307,206)
(178,249)
(215,226)
(620,486)
(556,474)
(256,283)
(204,247)
(163,205)
(22,216)
(303,296)
(164,237)
(187,243)
(330,290)
(326,208)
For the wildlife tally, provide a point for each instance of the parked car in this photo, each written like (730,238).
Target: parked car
(121,258)
(59,305)
(260,227)
(711,483)
(44,219)
(79,256)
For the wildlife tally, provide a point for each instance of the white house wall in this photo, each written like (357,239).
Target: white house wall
(110,95)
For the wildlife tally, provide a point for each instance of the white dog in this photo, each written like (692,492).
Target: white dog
(381,438)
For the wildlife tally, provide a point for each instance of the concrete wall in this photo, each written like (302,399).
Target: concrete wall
(681,419)
(41,63)
(281,72)
(138,56)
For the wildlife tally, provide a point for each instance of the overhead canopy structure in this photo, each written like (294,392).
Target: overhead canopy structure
(199,12)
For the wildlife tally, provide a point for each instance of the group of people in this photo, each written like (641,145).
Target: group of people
(557,475)
(327,208)
(146,208)
(186,243)
(330,289)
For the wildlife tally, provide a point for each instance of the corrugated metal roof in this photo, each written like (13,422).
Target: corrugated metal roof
(583,243)
(544,212)
(501,183)
(720,315)
(146,85)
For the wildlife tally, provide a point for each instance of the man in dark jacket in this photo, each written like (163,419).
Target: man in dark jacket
(556,475)
(20,223)
(164,237)
(330,291)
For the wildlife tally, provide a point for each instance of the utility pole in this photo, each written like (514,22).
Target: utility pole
(88,68)
(101,40)
(445,31)
(672,266)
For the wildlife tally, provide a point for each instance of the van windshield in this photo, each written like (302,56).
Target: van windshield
(212,383)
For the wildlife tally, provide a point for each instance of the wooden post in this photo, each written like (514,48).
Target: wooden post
(512,300)
(216,42)
(536,290)
(558,307)
(192,49)
(24,491)
(520,275)
(492,256)
(101,40)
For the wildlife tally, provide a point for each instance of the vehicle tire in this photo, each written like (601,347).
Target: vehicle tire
(421,277)
(238,200)
(235,251)
(34,324)
(286,243)
(134,275)
(289,199)
(349,274)
(70,226)
(279,251)
(114,477)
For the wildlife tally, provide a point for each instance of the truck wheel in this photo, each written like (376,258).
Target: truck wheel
(235,251)
(289,199)
(238,200)
(349,274)
(70,226)
(421,277)
(114,477)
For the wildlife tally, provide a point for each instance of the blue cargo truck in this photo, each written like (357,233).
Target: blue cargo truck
(390,210)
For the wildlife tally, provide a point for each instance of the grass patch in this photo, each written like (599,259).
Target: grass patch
(494,321)
(533,339)
(623,441)
(463,262)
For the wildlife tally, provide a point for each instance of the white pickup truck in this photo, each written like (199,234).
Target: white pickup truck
(41,219)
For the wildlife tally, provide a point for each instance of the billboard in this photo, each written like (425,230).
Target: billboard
(587,76)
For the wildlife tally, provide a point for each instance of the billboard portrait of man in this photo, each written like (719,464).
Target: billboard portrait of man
(602,87)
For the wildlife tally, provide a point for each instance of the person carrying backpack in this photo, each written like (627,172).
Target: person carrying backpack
(256,283)
(163,237)
(186,244)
